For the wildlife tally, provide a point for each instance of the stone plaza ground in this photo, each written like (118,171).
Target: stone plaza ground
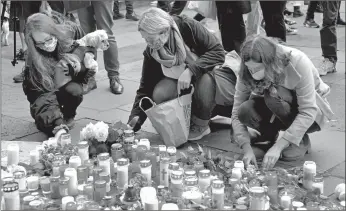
(328,145)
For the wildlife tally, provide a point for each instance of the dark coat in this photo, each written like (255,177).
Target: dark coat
(242,7)
(44,106)
(201,42)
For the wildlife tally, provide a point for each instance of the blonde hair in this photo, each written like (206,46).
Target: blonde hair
(272,56)
(154,21)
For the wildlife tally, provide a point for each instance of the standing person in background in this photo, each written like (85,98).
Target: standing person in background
(129,11)
(328,37)
(100,15)
(176,9)
(310,15)
(340,21)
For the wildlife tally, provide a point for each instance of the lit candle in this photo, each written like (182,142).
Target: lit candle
(318,183)
(204,179)
(236,173)
(286,201)
(193,195)
(83,151)
(144,142)
(146,191)
(172,153)
(34,157)
(218,194)
(170,206)
(151,203)
(12,154)
(75,161)
(239,164)
(104,162)
(177,183)
(309,171)
(145,166)
(71,173)
(65,200)
(52,142)
(33,183)
(122,173)
(164,179)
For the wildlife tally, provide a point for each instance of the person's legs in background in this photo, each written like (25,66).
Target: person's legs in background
(310,15)
(328,37)
(296,10)
(129,11)
(274,19)
(102,10)
(178,7)
(340,21)
(116,13)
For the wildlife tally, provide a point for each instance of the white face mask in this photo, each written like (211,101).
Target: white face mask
(256,69)
(50,45)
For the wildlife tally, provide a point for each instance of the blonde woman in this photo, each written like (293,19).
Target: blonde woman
(288,95)
(180,52)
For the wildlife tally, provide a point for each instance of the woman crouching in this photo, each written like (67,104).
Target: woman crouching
(287,95)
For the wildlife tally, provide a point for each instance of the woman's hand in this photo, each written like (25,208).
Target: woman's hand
(273,154)
(184,80)
(73,60)
(132,125)
(249,156)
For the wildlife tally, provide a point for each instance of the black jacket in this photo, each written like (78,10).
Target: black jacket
(44,106)
(201,42)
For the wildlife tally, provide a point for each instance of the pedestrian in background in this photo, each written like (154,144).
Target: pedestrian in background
(130,15)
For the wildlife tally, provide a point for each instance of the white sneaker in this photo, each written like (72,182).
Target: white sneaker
(326,66)
(198,132)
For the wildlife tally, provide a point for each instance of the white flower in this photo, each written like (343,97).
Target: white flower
(101,131)
(88,132)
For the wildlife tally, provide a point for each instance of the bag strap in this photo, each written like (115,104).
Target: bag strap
(150,100)
(192,91)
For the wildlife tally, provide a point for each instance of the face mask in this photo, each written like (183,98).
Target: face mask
(50,45)
(257,70)
(158,43)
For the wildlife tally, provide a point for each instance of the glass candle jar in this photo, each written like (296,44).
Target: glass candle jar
(144,142)
(117,151)
(204,179)
(12,154)
(40,149)
(129,136)
(19,177)
(271,179)
(156,149)
(141,152)
(218,194)
(54,187)
(63,186)
(104,176)
(62,169)
(33,183)
(96,173)
(309,171)
(239,164)
(89,191)
(257,198)
(172,167)
(73,181)
(65,200)
(65,139)
(150,155)
(198,166)
(122,173)
(191,191)
(164,177)
(45,184)
(236,173)
(26,202)
(286,201)
(127,145)
(74,162)
(134,153)
(34,157)
(318,183)
(145,166)
(100,190)
(36,205)
(172,153)
(104,162)
(83,151)
(11,196)
(82,174)
(176,185)
(190,173)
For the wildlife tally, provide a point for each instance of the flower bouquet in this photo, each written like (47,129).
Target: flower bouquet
(101,136)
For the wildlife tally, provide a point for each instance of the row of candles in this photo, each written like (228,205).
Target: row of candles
(191,184)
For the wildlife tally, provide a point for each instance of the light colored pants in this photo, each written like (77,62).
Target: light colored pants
(254,19)
(100,16)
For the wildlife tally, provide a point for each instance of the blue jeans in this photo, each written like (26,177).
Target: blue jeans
(100,16)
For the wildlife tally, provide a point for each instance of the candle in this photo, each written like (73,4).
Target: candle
(19,177)
(218,194)
(54,187)
(146,170)
(71,173)
(271,179)
(83,151)
(172,153)
(63,186)
(89,191)
(11,196)
(141,152)
(75,161)
(104,162)
(34,157)
(239,164)
(66,200)
(45,184)
(318,183)
(236,173)
(105,176)
(65,139)
(151,203)
(62,169)
(176,183)
(204,179)
(164,171)
(286,201)
(309,171)
(146,191)
(169,206)
(193,195)
(12,154)
(144,142)
(172,167)
(122,173)
(152,157)
(117,151)
(40,149)
(156,149)
(33,183)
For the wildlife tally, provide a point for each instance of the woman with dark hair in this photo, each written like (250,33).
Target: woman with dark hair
(50,39)
(287,95)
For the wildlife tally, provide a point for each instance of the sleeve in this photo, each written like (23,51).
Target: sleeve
(151,75)
(213,53)
(306,98)
(240,132)
(44,108)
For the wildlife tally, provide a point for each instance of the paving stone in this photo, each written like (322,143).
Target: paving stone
(24,150)
(316,53)
(12,128)
(338,171)
(101,99)
(330,183)
(127,107)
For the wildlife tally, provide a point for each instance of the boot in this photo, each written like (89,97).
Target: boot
(89,86)
(294,152)
(297,13)
(117,16)
(132,17)
(115,85)
(198,128)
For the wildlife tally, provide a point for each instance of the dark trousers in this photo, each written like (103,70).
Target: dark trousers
(128,5)
(328,30)
(232,27)
(176,9)
(257,112)
(70,96)
(310,14)
(274,18)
